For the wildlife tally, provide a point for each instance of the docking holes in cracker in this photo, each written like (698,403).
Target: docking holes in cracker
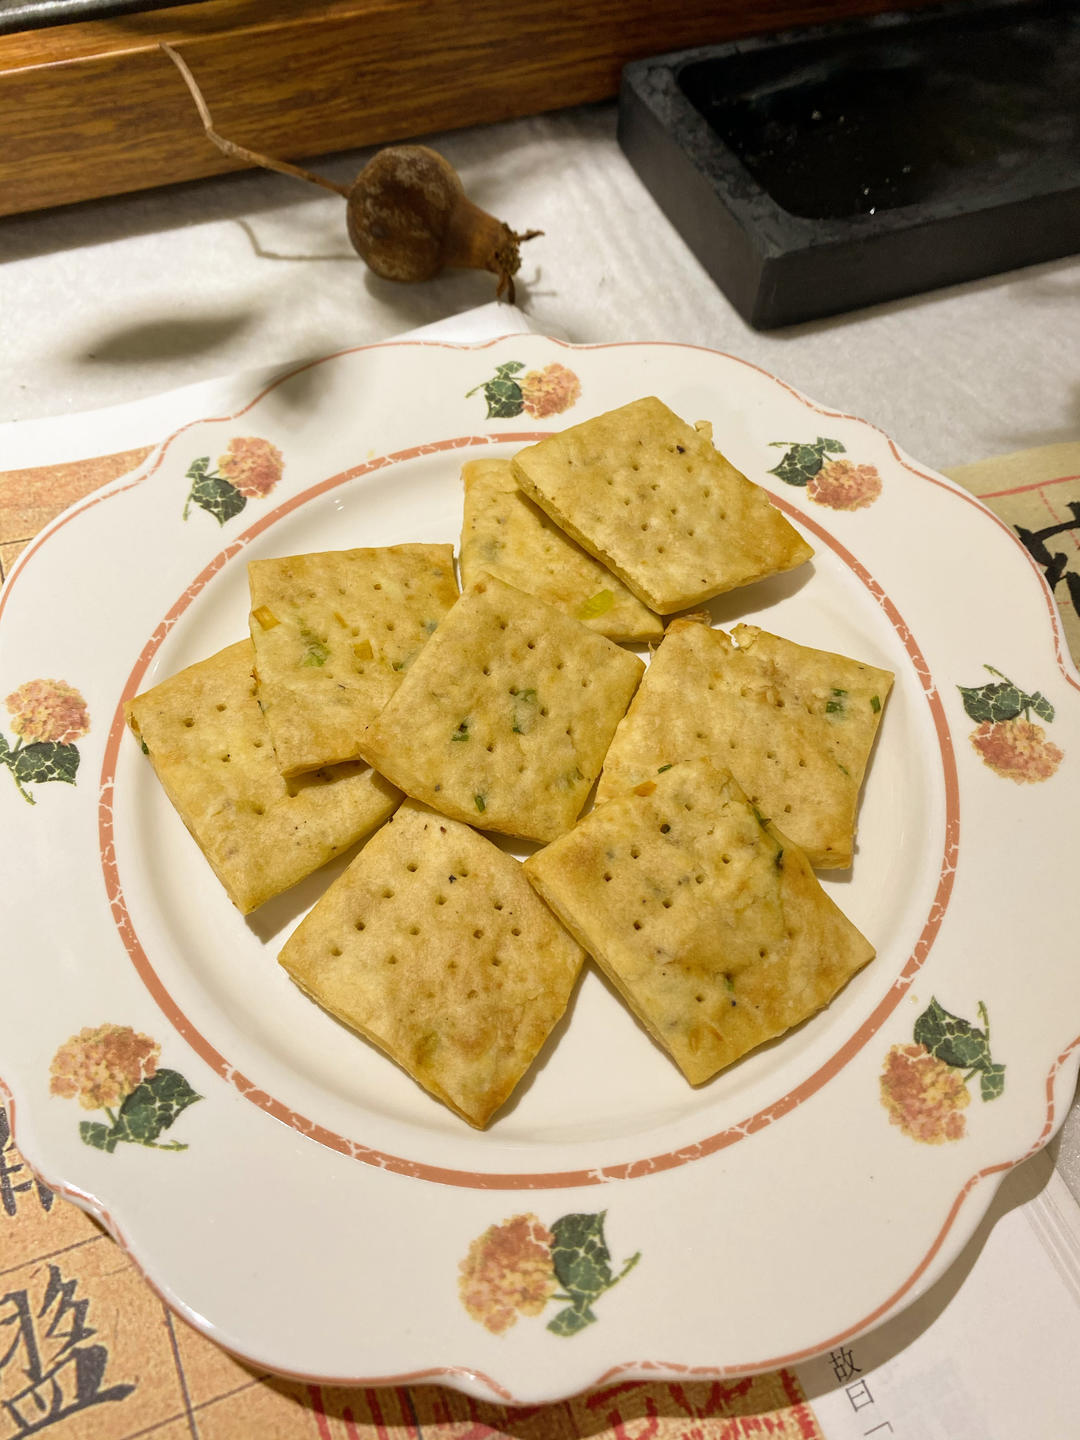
(505,716)
(794,725)
(703,914)
(651,499)
(334,632)
(433,946)
(504,534)
(210,748)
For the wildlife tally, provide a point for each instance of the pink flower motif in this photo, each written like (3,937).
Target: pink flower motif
(48,710)
(843,485)
(1017,749)
(103,1066)
(508,1271)
(252,465)
(549,391)
(923,1095)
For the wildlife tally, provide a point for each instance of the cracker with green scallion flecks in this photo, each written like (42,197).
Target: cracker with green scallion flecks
(504,718)
(652,499)
(504,534)
(334,632)
(433,946)
(210,748)
(707,919)
(794,725)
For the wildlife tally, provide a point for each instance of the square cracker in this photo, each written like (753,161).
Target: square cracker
(211,750)
(333,633)
(504,534)
(708,920)
(652,499)
(795,726)
(433,946)
(504,718)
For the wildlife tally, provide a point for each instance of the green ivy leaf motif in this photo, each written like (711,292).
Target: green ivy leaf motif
(503,394)
(7,757)
(100,1136)
(1042,707)
(801,461)
(992,702)
(962,1045)
(1002,699)
(952,1039)
(43,761)
(151,1107)
(580,1254)
(504,399)
(38,763)
(582,1263)
(992,1082)
(571,1320)
(212,492)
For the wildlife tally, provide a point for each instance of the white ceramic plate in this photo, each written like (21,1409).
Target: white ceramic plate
(296,1196)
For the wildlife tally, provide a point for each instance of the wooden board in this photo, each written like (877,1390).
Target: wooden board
(95,108)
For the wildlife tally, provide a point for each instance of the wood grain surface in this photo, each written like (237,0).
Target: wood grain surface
(95,108)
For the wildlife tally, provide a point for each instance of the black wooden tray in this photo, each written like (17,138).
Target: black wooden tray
(822,170)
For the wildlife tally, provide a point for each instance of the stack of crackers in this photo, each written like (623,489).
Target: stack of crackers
(374,703)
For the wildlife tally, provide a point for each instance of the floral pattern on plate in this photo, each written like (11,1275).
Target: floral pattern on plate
(539,393)
(114,1068)
(517,1267)
(924,1086)
(1007,739)
(613,1127)
(249,469)
(48,716)
(813,466)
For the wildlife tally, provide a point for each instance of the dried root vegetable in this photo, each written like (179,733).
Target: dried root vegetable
(407,212)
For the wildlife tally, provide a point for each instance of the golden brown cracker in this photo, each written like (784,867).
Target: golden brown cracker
(709,921)
(504,534)
(504,718)
(333,633)
(795,725)
(210,748)
(433,946)
(653,500)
